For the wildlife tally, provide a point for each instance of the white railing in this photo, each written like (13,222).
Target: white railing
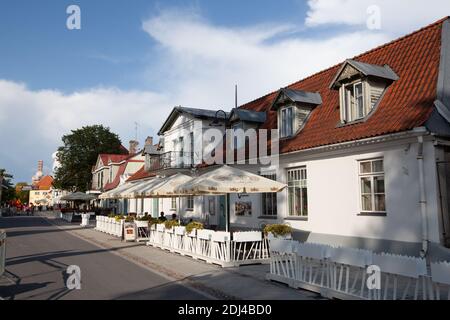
(67,216)
(222,248)
(343,272)
(109,226)
(2,252)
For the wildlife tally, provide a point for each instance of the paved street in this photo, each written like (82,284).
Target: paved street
(38,254)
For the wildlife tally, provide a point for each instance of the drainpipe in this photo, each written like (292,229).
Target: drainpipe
(423,199)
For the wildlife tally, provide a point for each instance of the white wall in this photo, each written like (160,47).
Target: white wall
(333,195)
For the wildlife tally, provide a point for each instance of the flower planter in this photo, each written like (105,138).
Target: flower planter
(180,231)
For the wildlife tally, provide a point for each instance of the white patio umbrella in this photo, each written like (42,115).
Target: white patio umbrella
(138,190)
(78,196)
(226,180)
(111,194)
(167,186)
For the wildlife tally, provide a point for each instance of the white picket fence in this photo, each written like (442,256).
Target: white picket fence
(67,216)
(2,251)
(217,247)
(109,226)
(344,272)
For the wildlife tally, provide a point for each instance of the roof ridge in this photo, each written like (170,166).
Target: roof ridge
(440,21)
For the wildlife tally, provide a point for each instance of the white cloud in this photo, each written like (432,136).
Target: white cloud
(206,60)
(33,122)
(197,65)
(397,16)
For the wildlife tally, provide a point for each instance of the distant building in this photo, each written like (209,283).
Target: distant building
(42,192)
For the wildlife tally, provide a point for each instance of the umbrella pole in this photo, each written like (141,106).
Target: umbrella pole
(227,212)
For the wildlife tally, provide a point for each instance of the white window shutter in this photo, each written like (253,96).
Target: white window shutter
(367,97)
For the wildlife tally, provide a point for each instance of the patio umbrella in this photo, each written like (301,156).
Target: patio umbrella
(226,180)
(166,188)
(137,190)
(78,196)
(111,194)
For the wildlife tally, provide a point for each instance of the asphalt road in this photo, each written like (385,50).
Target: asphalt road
(38,254)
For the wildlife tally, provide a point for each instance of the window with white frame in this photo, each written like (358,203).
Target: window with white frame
(297,192)
(287,118)
(190,203)
(269,200)
(354,102)
(371,179)
(173,204)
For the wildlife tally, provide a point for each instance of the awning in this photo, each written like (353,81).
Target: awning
(166,188)
(226,180)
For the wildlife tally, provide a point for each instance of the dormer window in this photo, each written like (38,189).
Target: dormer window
(361,87)
(294,108)
(354,102)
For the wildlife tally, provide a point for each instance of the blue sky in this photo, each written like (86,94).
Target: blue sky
(135,60)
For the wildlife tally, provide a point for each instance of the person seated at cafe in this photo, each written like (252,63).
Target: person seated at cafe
(162,217)
(174,216)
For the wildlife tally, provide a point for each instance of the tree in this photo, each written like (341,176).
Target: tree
(22,195)
(79,153)
(7,191)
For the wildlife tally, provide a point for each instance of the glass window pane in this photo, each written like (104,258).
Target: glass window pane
(291,201)
(378,166)
(380,202)
(366,167)
(304,202)
(289,122)
(366,186)
(298,201)
(378,184)
(366,202)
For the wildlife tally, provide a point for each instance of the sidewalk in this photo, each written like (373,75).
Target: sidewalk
(246,282)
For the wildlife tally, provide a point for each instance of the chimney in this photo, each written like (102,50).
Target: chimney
(149,141)
(40,165)
(133,147)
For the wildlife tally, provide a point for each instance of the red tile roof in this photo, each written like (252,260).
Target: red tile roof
(141,174)
(116,181)
(407,104)
(45,183)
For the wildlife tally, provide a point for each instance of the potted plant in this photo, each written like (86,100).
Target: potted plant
(142,222)
(170,224)
(278,231)
(192,227)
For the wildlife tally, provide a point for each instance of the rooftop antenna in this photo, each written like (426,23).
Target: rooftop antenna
(136,125)
(236,96)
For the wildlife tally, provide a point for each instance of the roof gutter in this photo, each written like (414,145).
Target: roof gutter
(423,198)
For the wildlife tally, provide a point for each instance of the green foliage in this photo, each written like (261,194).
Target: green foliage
(111,215)
(169,224)
(21,194)
(194,225)
(143,218)
(119,217)
(7,191)
(278,229)
(152,221)
(129,219)
(79,153)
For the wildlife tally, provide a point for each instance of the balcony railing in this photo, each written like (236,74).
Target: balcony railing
(170,160)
